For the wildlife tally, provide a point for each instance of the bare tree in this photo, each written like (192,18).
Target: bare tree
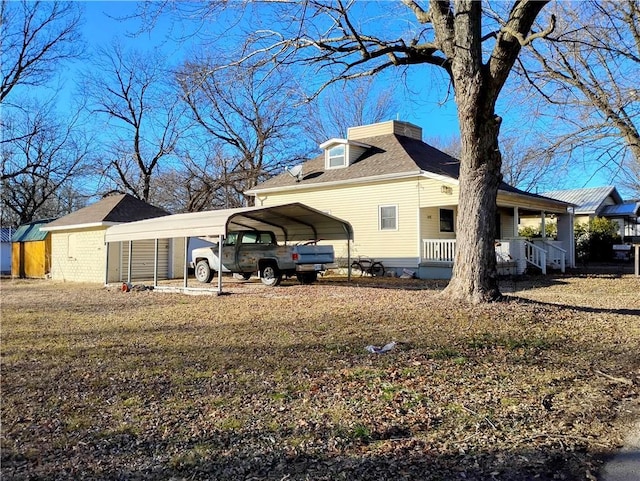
(131,90)
(36,38)
(346,105)
(589,70)
(43,155)
(197,184)
(247,111)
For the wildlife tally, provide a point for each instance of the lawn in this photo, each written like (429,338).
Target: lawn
(276,383)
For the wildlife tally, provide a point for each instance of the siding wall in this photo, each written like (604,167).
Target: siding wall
(78,255)
(359,205)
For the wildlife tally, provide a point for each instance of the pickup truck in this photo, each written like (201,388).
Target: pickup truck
(258,252)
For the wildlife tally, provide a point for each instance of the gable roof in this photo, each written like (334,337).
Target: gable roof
(30,232)
(111,210)
(588,200)
(389,156)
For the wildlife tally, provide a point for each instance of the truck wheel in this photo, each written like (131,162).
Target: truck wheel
(307,277)
(204,273)
(270,275)
(246,275)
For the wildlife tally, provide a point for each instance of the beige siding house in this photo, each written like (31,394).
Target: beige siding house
(401,195)
(78,250)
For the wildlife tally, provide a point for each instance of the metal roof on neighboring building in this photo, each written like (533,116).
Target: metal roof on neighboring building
(628,209)
(589,200)
(31,232)
(6,233)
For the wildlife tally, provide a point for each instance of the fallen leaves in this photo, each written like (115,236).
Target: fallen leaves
(265,384)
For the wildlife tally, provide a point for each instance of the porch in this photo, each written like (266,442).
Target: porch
(513,256)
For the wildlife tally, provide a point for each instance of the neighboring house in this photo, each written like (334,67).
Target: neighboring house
(602,202)
(78,246)
(31,250)
(5,249)
(401,197)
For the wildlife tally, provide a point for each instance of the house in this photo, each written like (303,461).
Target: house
(602,202)
(401,196)
(31,250)
(78,249)
(6,233)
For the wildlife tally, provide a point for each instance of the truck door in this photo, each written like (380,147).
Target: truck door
(254,246)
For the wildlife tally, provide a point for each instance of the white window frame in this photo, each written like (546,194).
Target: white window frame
(345,153)
(395,210)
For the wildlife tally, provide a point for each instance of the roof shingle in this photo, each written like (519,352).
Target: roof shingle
(112,209)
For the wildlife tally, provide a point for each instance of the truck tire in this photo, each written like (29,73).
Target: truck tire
(270,275)
(307,277)
(203,272)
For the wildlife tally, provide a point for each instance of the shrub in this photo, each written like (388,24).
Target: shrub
(551,231)
(594,241)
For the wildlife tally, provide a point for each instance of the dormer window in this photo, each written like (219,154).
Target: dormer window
(339,153)
(336,157)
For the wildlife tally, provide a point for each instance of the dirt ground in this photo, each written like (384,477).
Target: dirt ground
(277,383)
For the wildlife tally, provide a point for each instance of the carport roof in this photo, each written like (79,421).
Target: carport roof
(290,222)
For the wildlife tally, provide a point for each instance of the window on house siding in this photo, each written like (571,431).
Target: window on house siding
(388,217)
(446,220)
(337,156)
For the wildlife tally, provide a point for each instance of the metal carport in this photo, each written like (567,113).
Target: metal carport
(293,222)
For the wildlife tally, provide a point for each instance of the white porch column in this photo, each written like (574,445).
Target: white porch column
(543,224)
(516,223)
(565,235)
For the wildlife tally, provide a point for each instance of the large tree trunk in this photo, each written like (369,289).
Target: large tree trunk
(474,272)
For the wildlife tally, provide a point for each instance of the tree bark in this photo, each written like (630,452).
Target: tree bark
(474,273)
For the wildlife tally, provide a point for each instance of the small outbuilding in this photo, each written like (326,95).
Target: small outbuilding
(78,249)
(31,250)
(6,233)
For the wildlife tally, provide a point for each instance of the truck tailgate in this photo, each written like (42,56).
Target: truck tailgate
(314,254)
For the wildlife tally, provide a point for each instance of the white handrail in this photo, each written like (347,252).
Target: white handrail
(557,255)
(536,255)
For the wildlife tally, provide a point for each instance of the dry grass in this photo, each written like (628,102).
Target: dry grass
(276,383)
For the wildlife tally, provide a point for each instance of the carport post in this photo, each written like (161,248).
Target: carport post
(637,256)
(348,260)
(220,241)
(106,263)
(155,264)
(186,261)
(130,262)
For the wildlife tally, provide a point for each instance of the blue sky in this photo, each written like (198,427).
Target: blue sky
(423,105)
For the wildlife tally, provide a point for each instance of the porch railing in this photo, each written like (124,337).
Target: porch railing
(440,250)
(520,251)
